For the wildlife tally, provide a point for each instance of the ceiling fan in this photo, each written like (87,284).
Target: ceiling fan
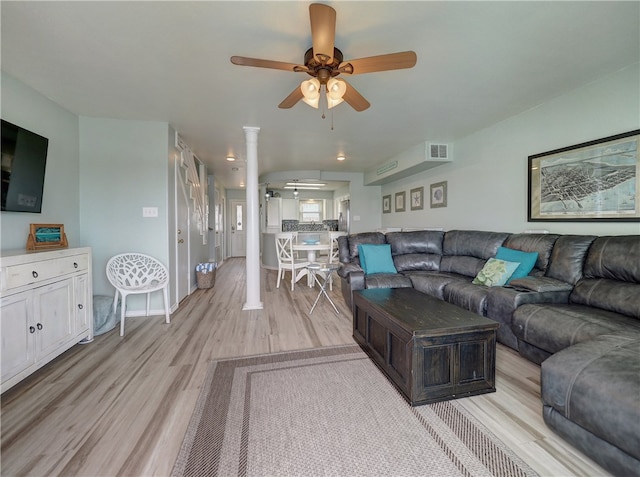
(324,62)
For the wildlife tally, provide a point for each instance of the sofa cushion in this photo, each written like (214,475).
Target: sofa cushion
(376,258)
(474,243)
(616,258)
(540,243)
(466,295)
(612,295)
(348,245)
(466,251)
(417,261)
(462,265)
(420,241)
(495,273)
(568,256)
(554,327)
(596,385)
(433,283)
(526,261)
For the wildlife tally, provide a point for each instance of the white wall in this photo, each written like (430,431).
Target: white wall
(29,109)
(487,181)
(123,168)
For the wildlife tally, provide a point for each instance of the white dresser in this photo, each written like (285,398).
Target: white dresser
(45,308)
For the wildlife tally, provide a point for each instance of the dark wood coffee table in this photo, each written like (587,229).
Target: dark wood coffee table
(429,349)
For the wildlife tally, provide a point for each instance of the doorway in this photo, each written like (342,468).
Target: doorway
(183,275)
(238,228)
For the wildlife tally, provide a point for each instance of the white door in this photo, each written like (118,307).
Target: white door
(238,228)
(183,278)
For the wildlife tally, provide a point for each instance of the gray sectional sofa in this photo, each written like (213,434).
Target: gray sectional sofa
(577,314)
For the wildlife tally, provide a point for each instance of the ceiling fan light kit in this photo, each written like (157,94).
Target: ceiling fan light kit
(323,62)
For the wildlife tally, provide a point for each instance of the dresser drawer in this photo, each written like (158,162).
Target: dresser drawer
(28,273)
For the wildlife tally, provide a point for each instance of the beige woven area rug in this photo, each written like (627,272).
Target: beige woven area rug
(330,412)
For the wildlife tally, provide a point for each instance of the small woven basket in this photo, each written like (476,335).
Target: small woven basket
(206,280)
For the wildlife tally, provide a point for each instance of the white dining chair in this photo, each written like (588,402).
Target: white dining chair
(287,261)
(334,251)
(137,273)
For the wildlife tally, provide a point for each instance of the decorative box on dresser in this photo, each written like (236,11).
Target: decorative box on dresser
(45,308)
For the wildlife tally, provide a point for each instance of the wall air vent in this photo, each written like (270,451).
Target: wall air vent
(438,151)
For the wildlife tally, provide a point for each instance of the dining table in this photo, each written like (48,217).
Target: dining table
(311,249)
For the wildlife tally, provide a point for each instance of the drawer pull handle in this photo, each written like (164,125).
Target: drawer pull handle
(35,274)
(75,265)
(80,306)
(32,329)
(39,326)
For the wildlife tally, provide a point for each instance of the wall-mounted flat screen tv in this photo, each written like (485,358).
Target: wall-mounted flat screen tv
(24,157)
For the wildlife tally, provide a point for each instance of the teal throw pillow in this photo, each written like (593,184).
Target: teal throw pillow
(362,259)
(376,259)
(527,260)
(495,273)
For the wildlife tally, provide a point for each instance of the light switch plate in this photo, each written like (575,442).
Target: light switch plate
(149,211)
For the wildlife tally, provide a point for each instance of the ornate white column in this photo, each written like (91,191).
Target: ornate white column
(253,221)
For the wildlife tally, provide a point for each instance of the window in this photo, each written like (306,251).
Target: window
(311,211)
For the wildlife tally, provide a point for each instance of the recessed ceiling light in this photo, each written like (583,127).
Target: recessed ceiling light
(340,158)
(302,187)
(231,158)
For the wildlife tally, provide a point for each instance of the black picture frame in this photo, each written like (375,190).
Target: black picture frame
(589,182)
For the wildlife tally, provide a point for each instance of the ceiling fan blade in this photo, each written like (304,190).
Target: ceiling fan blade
(292,99)
(323,31)
(355,99)
(392,61)
(275,65)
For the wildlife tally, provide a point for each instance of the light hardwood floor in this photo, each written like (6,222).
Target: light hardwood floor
(120,406)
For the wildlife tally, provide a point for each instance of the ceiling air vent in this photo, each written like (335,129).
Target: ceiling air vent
(438,151)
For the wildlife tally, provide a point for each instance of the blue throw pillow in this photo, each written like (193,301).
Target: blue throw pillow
(361,257)
(376,259)
(495,273)
(527,260)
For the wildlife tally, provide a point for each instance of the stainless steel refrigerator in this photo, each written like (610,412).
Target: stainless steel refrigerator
(343,216)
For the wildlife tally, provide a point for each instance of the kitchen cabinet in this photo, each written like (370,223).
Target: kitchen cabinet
(290,210)
(45,308)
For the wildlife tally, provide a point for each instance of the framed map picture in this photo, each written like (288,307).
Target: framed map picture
(592,181)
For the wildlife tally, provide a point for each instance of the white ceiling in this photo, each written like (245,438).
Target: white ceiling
(478,63)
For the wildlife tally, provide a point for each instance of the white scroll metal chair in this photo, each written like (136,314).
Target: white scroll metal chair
(137,273)
(287,260)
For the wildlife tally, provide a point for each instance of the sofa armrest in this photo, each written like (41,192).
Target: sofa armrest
(503,301)
(540,284)
(347,268)
(350,281)
(356,280)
